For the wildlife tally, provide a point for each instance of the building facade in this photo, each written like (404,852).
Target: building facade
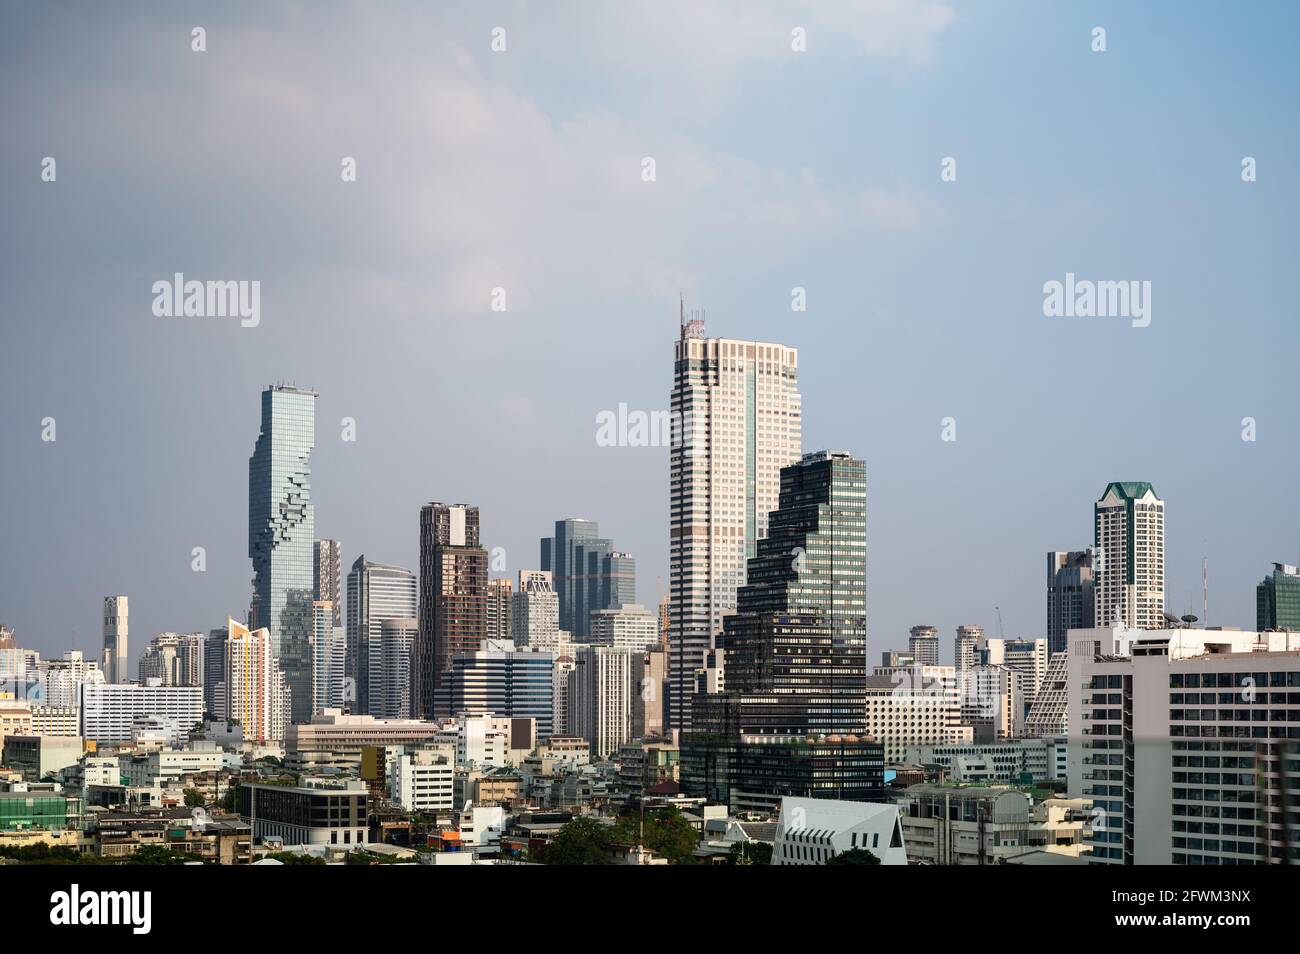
(1070,595)
(116,611)
(377,592)
(453,596)
(1129,556)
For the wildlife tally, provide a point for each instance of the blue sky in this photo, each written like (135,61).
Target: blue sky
(521,169)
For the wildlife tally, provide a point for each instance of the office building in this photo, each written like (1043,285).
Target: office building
(587,573)
(792,719)
(630,627)
(390,674)
(1277,599)
(307,815)
(327,557)
(377,592)
(504,680)
(453,596)
(535,612)
(1070,595)
(1028,657)
(992,702)
(907,706)
(422,778)
(115,639)
(281,535)
(737,416)
(603,693)
(1129,557)
(175,659)
(1049,714)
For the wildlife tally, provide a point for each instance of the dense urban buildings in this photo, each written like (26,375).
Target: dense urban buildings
(453,596)
(175,659)
(737,416)
(281,534)
(535,612)
(329,653)
(254,691)
(1129,556)
(629,627)
(1070,595)
(500,594)
(504,680)
(377,592)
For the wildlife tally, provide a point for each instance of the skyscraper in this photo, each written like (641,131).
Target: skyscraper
(453,596)
(174,659)
(254,692)
(377,592)
(535,614)
(500,593)
(115,631)
(737,416)
(792,717)
(328,576)
(1277,599)
(281,534)
(587,573)
(1070,596)
(1129,556)
(392,651)
(965,648)
(328,658)
(923,645)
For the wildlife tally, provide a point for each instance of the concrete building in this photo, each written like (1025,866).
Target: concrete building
(1049,714)
(327,576)
(65,676)
(535,612)
(282,535)
(966,648)
(500,595)
(992,702)
(109,710)
(1011,761)
(943,825)
(56,720)
(923,645)
(736,412)
(1028,657)
(812,831)
(335,739)
(1277,599)
(254,691)
(116,626)
(603,689)
(587,573)
(1183,740)
(913,705)
(37,756)
(307,815)
(453,597)
(390,675)
(630,627)
(1129,556)
(173,658)
(421,778)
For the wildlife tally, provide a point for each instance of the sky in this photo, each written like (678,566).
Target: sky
(522,169)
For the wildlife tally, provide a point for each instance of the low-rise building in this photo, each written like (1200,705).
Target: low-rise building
(812,831)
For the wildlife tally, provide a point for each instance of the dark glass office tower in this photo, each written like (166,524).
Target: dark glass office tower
(453,597)
(1277,599)
(587,573)
(1070,597)
(281,534)
(792,718)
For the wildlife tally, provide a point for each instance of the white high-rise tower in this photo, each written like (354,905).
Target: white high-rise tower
(737,420)
(1129,557)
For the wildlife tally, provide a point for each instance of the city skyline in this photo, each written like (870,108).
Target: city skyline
(885,353)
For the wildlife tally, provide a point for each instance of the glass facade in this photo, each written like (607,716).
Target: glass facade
(281,535)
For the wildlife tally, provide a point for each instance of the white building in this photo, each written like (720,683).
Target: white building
(1005,761)
(603,688)
(991,703)
(422,778)
(149,769)
(966,648)
(913,705)
(174,658)
(379,659)
(335,739)
(630,627)
(64,677)
(535,612)
(1025,656)
(1172,734)
(1129,556)
(736,412)
(560,718)
(391,652)
(1048,716)
(109,710)
(477,739)
(812,831)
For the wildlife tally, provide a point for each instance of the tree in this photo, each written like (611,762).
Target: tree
(154,855)
(294,858)
(855,856)
(751,853)
(667,833)
(193,799)
(583,841)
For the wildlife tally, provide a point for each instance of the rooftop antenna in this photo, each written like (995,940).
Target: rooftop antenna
(1205,592)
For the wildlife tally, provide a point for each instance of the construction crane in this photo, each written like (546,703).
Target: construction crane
(1001,629)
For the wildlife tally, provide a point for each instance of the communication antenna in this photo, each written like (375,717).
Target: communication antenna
(1205,591)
